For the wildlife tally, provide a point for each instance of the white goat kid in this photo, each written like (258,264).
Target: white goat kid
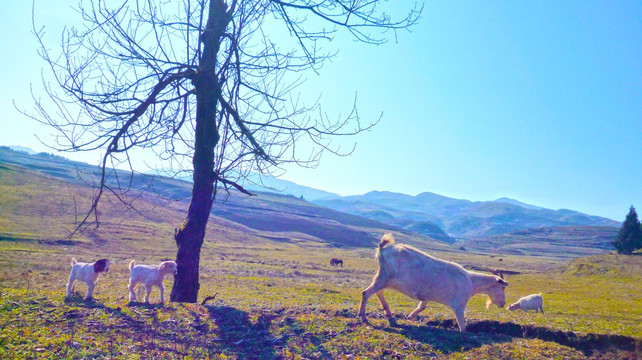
(87,273)
(423,277)
(149,276)
(530,302)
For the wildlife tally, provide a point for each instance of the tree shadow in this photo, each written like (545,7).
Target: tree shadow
(247,339)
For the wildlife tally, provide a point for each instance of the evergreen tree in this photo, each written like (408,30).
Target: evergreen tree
(629,238)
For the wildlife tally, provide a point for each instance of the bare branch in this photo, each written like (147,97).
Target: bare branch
(212,84)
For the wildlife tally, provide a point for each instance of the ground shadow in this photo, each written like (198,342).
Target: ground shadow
(446,339)
(247,339)
(76,299)
(444,335)
(588,343)
(145,305)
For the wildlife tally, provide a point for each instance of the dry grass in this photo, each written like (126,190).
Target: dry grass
(278,300)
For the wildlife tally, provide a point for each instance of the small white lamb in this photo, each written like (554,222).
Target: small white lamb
(86,272)
(530,302)
(150,276)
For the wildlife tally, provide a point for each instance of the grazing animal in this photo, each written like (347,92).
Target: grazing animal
(86,272)
(335,262)
(423,277)
(530,302)
(149,276)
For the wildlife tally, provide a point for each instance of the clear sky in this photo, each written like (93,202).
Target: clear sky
(540,101)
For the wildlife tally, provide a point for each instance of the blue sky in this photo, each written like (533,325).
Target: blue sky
(537,101)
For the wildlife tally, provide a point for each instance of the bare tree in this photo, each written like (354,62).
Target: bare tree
(211,81)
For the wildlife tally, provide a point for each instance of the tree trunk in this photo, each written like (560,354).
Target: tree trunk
(189,241)
(189,238)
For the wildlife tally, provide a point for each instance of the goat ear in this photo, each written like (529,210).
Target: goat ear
(100,265)
(502,282)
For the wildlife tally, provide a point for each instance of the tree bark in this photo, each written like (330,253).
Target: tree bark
(189,238)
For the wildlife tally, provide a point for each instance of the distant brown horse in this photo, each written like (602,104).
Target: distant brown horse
(335,261)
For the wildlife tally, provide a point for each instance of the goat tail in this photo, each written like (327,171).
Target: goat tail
(73,261)
(131,265)
(386,239)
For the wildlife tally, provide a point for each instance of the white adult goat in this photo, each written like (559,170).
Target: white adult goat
(423,277)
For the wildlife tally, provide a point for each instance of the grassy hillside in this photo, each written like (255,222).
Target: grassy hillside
(565,242)
(276,295)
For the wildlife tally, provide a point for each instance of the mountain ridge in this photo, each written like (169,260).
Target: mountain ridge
(437,216)
(460,218)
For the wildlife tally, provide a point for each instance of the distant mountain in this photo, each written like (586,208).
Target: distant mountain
(459,218)
(518,203)
(264,183)
(23,149)
(437,216)
(374,205)
(285,187)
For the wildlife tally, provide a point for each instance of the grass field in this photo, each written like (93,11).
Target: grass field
(278,300)
(277,297)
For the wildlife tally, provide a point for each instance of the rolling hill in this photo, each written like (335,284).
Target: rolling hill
(55,183)
(565,241)
(502,226)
